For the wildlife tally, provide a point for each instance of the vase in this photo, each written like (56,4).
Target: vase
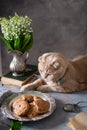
(18,63)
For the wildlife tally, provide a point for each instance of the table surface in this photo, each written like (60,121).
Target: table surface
(56,121)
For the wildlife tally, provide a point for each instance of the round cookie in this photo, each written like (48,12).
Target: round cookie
(20,107)
(41,105)
(27,97)
(32,111)
(16,101)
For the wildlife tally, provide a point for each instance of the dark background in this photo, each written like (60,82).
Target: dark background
(58,25)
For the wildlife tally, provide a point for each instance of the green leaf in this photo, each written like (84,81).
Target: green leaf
(29,43)
(10,48)
(15,125)
(26,41)
(17,44)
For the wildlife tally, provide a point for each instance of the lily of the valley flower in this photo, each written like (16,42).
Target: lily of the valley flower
(17,32)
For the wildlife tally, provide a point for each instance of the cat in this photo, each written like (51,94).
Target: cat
(59,74)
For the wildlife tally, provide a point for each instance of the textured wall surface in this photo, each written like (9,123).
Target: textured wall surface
(0,63)
(58,25)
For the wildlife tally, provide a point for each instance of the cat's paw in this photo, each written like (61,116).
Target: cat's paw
(41,89)
(26,87)
(23,89)
(44,88)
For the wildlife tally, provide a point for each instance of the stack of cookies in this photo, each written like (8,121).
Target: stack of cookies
(29,106)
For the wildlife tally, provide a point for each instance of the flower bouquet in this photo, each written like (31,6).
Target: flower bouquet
(17,32)
(18,36)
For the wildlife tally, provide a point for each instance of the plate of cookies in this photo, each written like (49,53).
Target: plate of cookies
(28,106)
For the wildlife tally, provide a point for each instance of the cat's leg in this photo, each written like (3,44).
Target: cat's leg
(61,89)
(33,85)
(44,88)
(50,87)
(68,87)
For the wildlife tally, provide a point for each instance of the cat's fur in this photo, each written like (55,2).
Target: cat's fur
(60,74)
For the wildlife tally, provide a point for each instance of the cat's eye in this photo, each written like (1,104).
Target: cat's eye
(56,65)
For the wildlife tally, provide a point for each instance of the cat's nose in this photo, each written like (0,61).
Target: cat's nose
(46,75)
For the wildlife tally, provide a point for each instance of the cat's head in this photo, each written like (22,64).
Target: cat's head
(52,66)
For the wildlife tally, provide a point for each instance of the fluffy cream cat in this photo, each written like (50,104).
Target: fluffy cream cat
(59,74)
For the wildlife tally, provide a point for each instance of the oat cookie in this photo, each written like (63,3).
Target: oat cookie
(41,105)
(20,107)
(32,111)
(27,97)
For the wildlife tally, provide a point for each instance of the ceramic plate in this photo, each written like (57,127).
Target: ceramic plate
(6,106)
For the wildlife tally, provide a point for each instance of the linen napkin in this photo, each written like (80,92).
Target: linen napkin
(4,121)
(4,95)
(78,122)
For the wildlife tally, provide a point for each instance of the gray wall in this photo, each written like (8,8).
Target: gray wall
(58,25)
(0,63)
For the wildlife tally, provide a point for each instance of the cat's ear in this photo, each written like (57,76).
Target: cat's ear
(39,59)
(56,65)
